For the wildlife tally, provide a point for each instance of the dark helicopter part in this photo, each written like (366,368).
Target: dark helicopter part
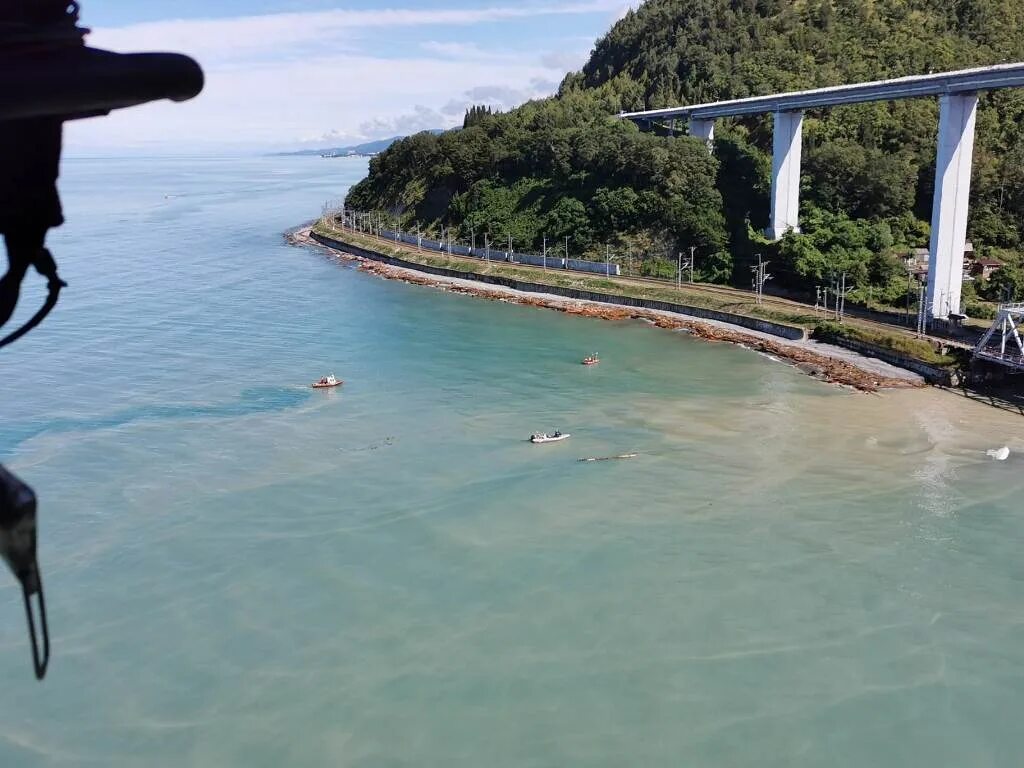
(48,76)
(46,70)
(18,549)
(87,82)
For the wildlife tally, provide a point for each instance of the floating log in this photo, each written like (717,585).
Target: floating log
(612,458)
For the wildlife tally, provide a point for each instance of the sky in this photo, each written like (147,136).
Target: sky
(295,74)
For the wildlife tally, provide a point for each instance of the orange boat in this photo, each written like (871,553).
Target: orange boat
(592,360)
(328,382)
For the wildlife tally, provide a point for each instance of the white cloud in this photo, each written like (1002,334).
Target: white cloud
(420,119)
(349,97)
(500,97)
(278,79)
(229,39)
(466,51)
(565,61)
(625,7)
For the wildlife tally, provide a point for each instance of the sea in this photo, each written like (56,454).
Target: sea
(242,571)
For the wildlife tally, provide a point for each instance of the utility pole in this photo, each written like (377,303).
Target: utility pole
(419,239)
(472,234)
(607,260)
(487,248)
(566,251)
(909,273)
(692,249)
(920,311)
(679,270)
(545,257)
(760,277)
(511,258)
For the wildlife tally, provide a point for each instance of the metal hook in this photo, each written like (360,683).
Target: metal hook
(38,664)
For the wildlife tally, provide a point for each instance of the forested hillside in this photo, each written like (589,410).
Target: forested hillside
(562,167)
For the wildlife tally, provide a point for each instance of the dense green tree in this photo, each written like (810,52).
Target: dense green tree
(568,218)
(1006,284)
(565,166)
(476,115)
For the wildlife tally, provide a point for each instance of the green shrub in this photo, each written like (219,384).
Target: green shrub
(980,309)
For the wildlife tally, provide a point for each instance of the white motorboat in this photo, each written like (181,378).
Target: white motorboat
(543,437)
(328,382)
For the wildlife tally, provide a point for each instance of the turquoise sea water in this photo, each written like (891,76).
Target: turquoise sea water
(241,571)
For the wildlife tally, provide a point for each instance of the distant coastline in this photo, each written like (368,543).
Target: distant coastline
(367,149)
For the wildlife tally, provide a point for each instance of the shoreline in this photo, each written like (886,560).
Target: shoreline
(825,362)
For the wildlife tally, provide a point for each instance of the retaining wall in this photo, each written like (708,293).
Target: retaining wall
(751,323)
(931,373)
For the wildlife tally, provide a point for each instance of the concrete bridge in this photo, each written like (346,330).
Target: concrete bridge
(958,103)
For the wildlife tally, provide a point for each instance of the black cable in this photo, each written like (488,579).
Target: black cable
(38,317)
(47,267)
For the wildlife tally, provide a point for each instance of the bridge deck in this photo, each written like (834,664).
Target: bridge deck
(961,81)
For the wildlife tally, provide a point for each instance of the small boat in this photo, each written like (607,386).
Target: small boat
(543,437)
(328,382)
(591,359)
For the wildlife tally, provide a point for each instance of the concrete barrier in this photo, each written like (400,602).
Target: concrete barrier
(752,323)
(931,373)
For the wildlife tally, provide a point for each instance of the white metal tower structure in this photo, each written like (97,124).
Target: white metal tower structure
(1002,342)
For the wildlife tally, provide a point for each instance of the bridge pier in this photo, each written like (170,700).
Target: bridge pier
(957,113)
(703,129)
(787,141)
